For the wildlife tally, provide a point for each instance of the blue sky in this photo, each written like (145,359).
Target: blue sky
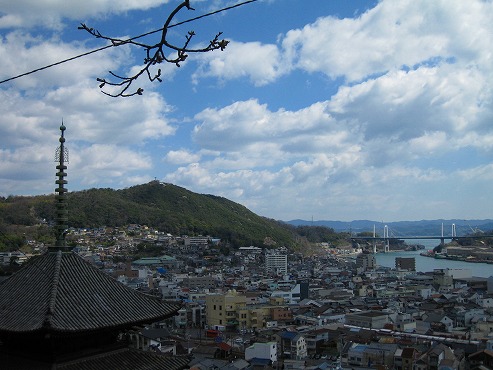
(324,110)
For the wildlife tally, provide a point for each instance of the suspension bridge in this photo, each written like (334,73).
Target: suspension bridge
(387,238)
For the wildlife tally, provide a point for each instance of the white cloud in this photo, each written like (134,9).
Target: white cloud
(104,165)
(428,143)
(22,53)
(392,35)
(242,123)
(182,156)
(121,121)
(262,64)
(396,111)
(485,173)
(129,122)
(97,125)
(49,13)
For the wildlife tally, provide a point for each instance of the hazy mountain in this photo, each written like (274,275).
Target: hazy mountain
(404,228)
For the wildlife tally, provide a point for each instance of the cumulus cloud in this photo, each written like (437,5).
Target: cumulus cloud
(116,121)
(390,36)
(31,13)
(385,39)
(250,121)
(102,164)
(182,156)
(260,63)
(34,106)
(23,52)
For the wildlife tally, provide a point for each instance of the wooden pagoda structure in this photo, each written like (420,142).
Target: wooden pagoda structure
(60,312)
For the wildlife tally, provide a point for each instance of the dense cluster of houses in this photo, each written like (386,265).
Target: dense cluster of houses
(336,309)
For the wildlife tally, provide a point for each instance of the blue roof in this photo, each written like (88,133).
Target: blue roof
(288,334)
(359,348)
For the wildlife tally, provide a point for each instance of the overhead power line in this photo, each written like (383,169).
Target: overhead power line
(125,41)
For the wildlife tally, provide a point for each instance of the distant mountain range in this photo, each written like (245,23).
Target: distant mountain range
(405,228)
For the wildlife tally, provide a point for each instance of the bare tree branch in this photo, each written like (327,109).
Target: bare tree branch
(155,54)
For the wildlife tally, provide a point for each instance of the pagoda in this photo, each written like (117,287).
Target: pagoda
(60,312)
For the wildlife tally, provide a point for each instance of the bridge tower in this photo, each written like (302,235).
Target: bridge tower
(374,240)
(386,247)
(442,238)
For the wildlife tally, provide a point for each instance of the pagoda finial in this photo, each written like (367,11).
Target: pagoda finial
(61,156)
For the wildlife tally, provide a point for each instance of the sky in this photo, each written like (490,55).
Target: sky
(316,110)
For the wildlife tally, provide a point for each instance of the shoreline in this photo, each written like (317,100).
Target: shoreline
(455,258)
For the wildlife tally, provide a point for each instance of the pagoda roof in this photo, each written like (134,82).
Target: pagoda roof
(61,292)
(125,358)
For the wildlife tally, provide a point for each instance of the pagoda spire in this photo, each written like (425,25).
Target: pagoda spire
(61,156)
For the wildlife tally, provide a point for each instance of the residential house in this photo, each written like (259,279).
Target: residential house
(264,351)
(368,319)
(405,322)
(439,357)
(291,344)
(405,358)
(439,321)
(482,359)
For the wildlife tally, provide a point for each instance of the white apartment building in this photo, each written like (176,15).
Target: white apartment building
(276,263)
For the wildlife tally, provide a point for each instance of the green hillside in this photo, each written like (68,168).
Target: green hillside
(167,207)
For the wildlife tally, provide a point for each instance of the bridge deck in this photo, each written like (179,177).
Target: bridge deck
(420,237)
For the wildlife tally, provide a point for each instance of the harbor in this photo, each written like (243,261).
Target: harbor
(427,264)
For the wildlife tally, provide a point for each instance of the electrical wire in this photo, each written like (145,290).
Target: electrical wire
(125,41)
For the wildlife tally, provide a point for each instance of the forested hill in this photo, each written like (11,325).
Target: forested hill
(167,207)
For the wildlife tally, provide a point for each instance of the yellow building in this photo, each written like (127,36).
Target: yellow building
(230,312)
(223,309)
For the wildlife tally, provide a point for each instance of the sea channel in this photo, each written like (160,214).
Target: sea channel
(428,264)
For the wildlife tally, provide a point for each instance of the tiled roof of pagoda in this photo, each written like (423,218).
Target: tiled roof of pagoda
(121,359)
(128,359)
(61,292)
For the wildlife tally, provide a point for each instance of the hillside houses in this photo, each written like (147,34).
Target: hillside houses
(322,311)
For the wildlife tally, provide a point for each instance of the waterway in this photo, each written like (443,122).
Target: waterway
(427,264)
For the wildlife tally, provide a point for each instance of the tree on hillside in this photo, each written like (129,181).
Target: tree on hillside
(162,51)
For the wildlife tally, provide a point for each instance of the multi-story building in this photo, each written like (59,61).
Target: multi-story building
(292,295)
(405,263)
(224,309)
(444,279)
(232,311)
(196,240)
(200,282)
(190,315)
(292,345)
(283,314)
(276,264)
(365,262)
